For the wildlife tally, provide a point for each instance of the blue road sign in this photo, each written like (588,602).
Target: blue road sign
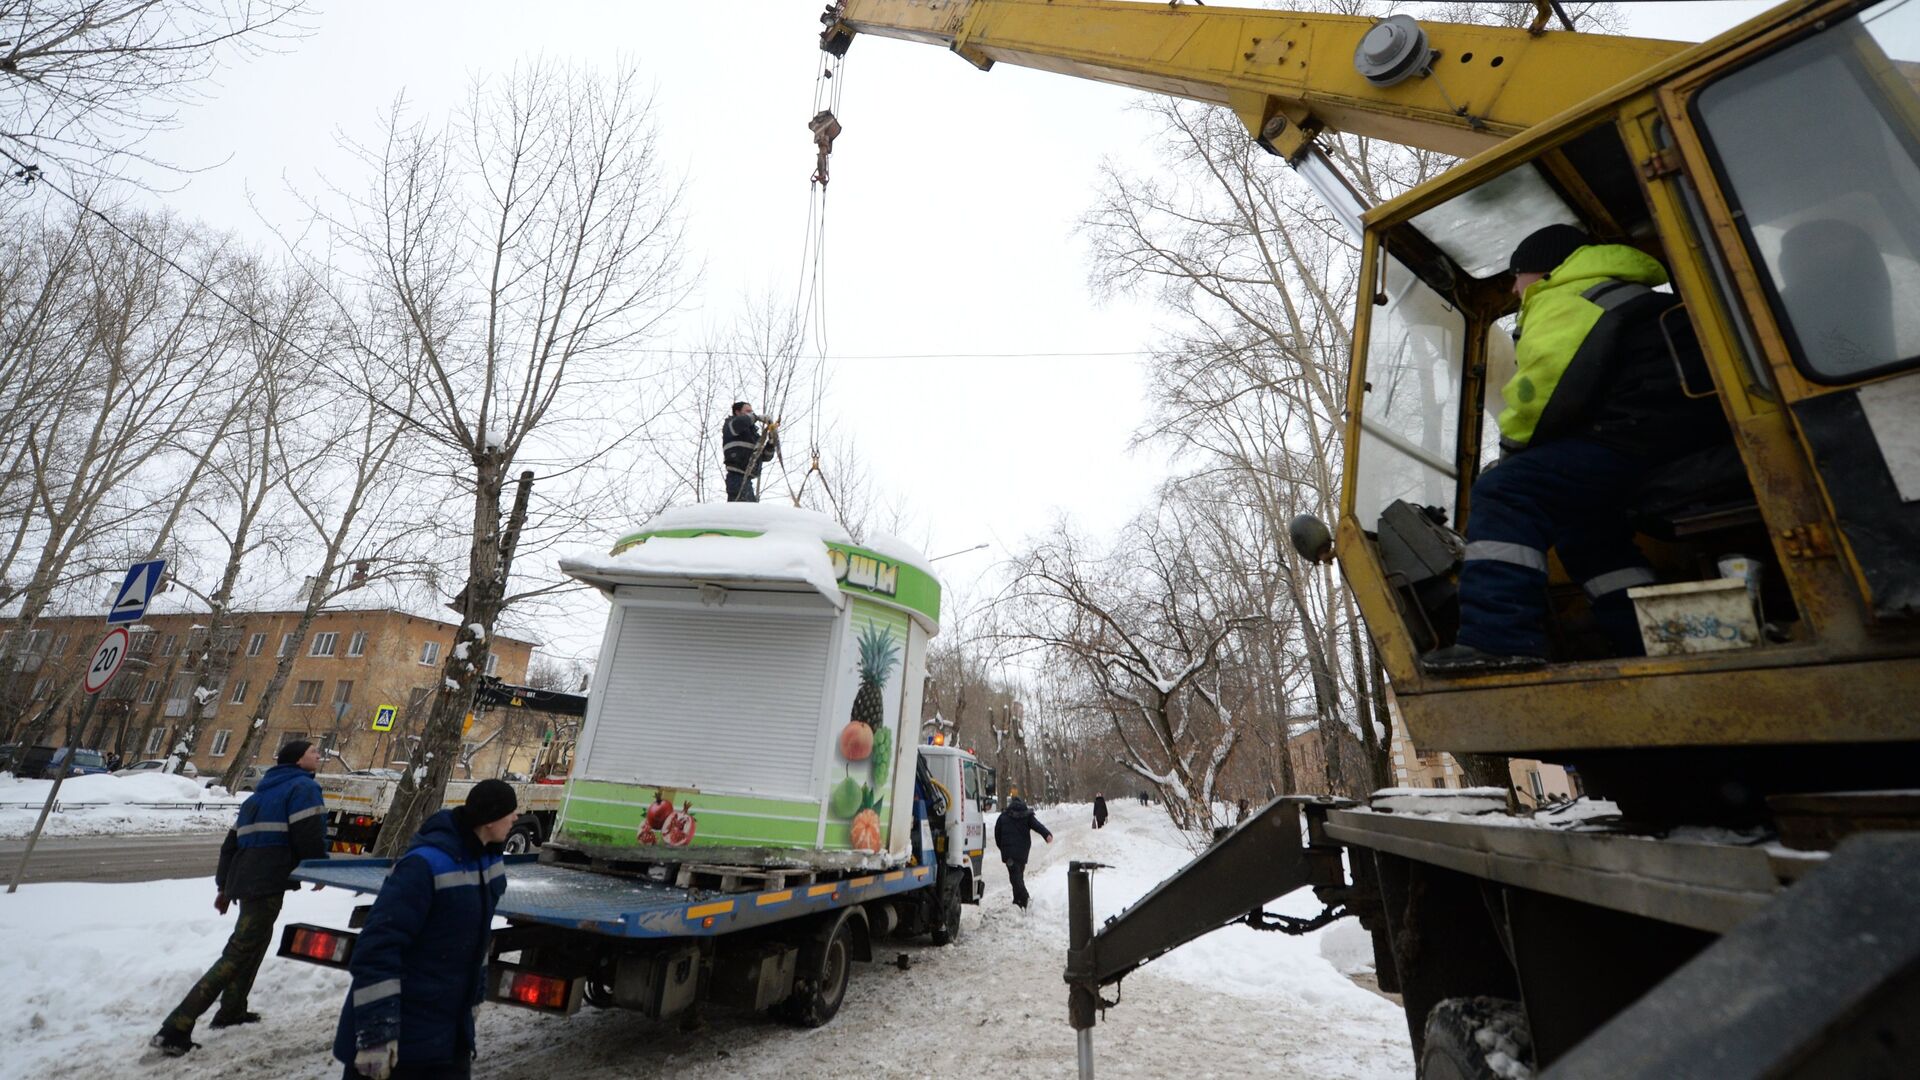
(131,602)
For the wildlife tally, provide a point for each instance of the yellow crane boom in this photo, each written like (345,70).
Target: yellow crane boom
(1456,89)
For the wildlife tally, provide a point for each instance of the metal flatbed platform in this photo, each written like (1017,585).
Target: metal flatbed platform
(628,907)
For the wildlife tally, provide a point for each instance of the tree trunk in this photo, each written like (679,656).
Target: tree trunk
(424,787)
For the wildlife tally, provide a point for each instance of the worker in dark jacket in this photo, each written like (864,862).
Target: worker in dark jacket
(743,450)
(1012,835)
(280,825)
(420,966)
(1099,811)
(1594,405)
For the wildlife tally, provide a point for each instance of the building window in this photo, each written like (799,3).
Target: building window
(323,644)
(60,644)
(1439,781)
(167,644)
(286,645)
(239,691)
(307,692)
(150,692)
(220,739)
(41,687)
(357,644)
(343,692)
(493,663)
(1539,789)
(255,644)
(288,737)
(155,739)
(429,652)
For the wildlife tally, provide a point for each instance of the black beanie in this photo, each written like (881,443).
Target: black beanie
(489,801)
(291,753)
(1544,250)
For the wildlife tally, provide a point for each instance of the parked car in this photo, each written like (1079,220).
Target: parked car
(250,778)
(43,762)
(154,765)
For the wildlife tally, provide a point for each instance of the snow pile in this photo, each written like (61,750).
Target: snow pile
(771,556)
(791,547)
(114,805)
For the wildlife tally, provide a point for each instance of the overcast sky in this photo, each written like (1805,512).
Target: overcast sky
(951,227)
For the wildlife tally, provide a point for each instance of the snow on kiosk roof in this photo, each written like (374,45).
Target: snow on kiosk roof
(758,544)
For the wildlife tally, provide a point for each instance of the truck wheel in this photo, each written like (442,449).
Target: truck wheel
(1478,1038)
(524,838)
(946,921)
(818,1002)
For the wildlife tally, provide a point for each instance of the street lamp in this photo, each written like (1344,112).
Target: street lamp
(962,551)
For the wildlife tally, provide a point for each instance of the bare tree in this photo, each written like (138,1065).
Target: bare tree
(339,478)
(84,82)
(523,247)
(145,396)
(1133,626)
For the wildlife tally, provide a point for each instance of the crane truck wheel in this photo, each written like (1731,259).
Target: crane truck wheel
(1477,1038)
(524,837)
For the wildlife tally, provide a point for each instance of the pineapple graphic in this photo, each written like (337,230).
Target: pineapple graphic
(879,651)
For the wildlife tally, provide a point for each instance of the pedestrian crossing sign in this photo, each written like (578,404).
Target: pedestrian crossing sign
(130,603)
(383,718)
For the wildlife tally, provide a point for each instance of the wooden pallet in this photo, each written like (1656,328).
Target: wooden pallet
(728,879)
(708,877)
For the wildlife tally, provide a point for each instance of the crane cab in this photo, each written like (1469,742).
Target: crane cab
(1775,173)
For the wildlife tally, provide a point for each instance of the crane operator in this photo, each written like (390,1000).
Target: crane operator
(1594,406)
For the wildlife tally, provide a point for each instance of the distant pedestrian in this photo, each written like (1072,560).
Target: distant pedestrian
(1143,798)
(280,825)
(420,966)
(1243,812)
(1099,811)
(744,450)
(1012,835)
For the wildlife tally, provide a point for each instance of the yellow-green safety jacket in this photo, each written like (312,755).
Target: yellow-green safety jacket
(1558,317)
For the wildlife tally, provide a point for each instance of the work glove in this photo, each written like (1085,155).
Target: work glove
(377,1061)
(220,903)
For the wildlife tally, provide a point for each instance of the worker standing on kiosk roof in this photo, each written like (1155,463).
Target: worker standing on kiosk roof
(282,824)
(1594,405)
(743,450)
(420,966)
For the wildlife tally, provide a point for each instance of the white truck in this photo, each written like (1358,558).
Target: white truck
(358,803)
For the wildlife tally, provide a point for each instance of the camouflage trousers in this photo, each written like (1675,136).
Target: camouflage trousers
(231,976)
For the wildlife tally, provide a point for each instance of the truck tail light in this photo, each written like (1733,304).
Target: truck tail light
(317,945)
(509,984)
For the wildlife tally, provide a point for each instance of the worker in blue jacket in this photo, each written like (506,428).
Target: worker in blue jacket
(420,966)
(282,824)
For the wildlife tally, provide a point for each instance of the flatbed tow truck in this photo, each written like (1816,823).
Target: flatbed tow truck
(747,867)
(1749,911)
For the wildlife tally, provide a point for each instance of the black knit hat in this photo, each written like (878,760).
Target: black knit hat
(1544,250)
(291,753)
(489,801)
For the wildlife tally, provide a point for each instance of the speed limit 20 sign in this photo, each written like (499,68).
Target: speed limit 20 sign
(106,660)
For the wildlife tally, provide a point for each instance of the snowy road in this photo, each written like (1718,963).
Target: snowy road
(113,858)
(93,968)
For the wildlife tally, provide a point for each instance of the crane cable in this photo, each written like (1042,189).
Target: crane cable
(810,299)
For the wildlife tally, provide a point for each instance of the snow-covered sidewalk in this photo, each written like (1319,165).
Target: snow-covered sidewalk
(101,805)
(94,968)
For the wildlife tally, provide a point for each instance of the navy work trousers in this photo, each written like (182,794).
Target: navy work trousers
(1567,496)
(740,488)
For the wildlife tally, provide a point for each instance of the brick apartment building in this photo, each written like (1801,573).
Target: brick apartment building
(350,664)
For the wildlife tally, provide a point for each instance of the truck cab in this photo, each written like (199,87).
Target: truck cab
(968,789)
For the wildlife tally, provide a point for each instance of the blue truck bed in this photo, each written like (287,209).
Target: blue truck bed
(627,907)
